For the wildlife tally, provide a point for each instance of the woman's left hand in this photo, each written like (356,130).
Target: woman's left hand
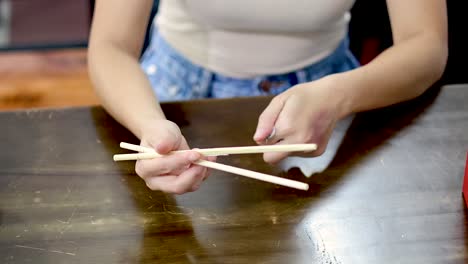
(306,113)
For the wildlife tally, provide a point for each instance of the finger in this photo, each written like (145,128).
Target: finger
(207,174)
(285,132)
(208,171)
(183,143)
(211,158)
(322,143)
(168,164)
(176,184)
(168,141)
(186,181)
(179,171)
(274,137)
(267,119)
(161,183)
(275,157)
(200,180)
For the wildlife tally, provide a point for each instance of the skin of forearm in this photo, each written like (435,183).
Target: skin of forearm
(400,73)
(122,87)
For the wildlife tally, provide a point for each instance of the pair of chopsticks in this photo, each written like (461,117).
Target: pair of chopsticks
(149,153)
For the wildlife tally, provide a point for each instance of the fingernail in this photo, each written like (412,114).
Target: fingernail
(272,133)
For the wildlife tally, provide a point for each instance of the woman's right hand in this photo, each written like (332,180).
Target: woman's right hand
(173,173)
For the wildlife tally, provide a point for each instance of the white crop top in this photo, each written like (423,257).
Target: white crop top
(247,38)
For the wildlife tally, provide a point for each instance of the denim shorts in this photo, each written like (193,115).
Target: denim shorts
(175,78)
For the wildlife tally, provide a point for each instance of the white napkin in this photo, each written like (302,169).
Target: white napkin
(312,165)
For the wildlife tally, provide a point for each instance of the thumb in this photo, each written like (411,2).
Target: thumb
(267,119)
(165,142)
(275,157)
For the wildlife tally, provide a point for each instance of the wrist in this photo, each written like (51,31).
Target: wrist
(341,93)
(144,122)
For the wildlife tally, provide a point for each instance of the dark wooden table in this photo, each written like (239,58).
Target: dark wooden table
(391,195)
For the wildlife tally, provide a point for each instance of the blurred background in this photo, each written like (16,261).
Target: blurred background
(43,48)
(40,23)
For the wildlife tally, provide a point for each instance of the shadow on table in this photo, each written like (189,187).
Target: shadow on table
(163,218)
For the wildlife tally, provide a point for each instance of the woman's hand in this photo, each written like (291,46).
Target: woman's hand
(306,113)
(174,173)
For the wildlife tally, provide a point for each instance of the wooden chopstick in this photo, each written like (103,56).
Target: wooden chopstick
(230,169)
(254,175)
(151,153)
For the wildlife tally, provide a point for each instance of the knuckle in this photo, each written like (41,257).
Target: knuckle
(174,132)
(195,187)
(320,151)
(276,100)
(172,125)
(268,158)
(265,115)
(163,168)
(178,189)
(151,185)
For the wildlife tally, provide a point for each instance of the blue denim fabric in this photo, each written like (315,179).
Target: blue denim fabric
(174,78)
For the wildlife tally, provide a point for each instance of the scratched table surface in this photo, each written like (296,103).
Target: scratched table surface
(391,195)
